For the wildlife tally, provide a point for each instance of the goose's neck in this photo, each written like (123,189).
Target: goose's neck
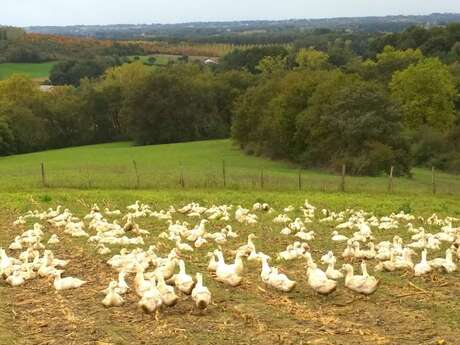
(310,262)
(160,281)
(220,257)
(199,281)
(423,256)
(349,274)
(265,266)
(182,267)
(364,269)
(238,259)
(140,274)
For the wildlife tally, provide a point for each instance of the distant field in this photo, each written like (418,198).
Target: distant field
(163,59)
(33,70)
(201,165)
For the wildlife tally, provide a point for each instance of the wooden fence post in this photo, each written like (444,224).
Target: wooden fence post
(43,175)
(262,178)
(300,179)
(88,175)
(182,181)
(137,174)
(390,182)
(342,182)
(433,180)
(224,174)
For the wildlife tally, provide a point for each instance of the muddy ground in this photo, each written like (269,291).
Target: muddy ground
(404,310)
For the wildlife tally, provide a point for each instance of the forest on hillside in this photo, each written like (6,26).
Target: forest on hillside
(329,99)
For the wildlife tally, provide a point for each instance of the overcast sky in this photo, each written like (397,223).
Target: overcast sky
(69,12)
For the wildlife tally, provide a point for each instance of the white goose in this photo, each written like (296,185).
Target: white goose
(272,277)
(338,237)
(387,265)
(112,298)
(249,246)
(212,265)
(168,295)
(226,273)
(66,283)
(331,272)
(200,293)
(449,266)
(151,300)
(423,267)
(359,283)
(182,280)
(317,279)
(15,279)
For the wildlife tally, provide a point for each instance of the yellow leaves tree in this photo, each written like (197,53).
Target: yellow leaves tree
(426,93)
(312,59)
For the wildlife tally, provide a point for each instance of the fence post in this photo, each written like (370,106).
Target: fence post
(43,175)
(88,176)
(342,182)
(182,182)
(224,174)
(390,182)
(300,179)
(137,174)
(262,178)
(433,180)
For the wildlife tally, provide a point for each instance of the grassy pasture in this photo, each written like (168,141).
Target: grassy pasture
(398,313)
(33,70)
(108,166)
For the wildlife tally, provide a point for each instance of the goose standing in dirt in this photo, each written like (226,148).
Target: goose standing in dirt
(151,301)
(272,277)
(423,267)
(359,283)
(66,283)
(317,278)
(182,280)
(200,293)
(168,295)
(112,299)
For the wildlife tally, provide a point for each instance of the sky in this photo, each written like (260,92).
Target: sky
(75,12)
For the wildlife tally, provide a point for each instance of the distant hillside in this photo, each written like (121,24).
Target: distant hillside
(362,24)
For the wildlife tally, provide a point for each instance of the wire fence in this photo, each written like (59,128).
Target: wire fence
(132,175)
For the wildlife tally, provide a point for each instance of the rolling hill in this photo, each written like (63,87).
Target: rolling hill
(201,164)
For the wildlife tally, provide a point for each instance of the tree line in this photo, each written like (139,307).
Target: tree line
(182,102)
(399,109)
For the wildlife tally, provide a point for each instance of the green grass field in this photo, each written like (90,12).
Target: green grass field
(404,310)
(109,166)
(33,70)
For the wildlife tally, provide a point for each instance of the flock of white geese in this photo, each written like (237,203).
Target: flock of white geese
(159,280)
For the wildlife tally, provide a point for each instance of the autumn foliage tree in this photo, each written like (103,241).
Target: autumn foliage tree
(426,94)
